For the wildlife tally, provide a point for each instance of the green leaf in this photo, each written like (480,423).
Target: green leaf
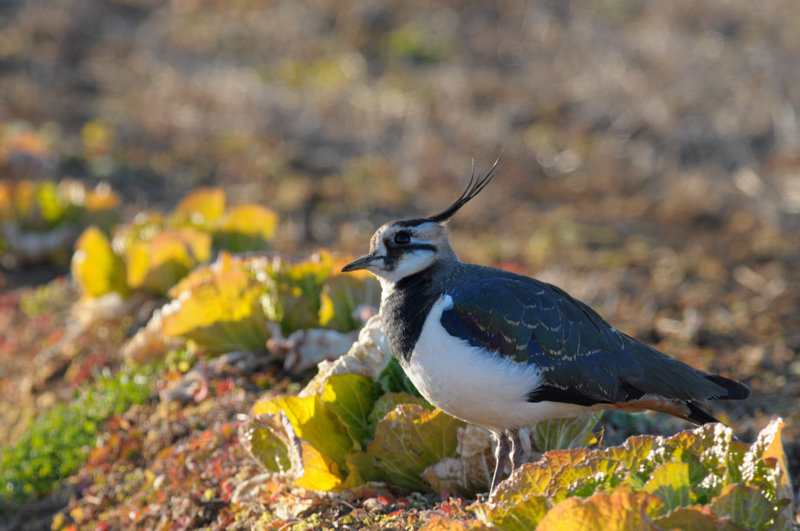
(670,482)
(353,397)
(561,434)
(697,518)
(522,515)
(410,439)
(634,453)
(342,294)
(746,506)
(583,478)
(259,438)
(363,469)
(393,379)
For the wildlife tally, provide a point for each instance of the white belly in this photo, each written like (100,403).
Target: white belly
(474,384)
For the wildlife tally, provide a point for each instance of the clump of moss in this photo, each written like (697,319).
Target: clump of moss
(59,440)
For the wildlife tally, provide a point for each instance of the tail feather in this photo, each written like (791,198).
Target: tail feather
(736,390)
(697,415)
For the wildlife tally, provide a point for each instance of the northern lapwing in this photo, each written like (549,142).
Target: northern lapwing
(505,351)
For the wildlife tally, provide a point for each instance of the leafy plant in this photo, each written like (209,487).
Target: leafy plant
(59,440)
(695,476)
(154,252)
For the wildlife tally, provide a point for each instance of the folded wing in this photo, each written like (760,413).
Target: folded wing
(585,360)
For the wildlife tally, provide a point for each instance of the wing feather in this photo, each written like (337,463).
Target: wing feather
(584,360)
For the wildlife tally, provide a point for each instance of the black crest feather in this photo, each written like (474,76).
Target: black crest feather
(474,187)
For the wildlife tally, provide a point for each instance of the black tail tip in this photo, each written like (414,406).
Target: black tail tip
(699,416)
(736,390)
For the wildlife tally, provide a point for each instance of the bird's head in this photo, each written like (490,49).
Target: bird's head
(402,248)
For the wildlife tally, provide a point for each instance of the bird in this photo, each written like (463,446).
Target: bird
(504,351)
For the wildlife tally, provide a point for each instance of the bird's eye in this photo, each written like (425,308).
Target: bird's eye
(402,238)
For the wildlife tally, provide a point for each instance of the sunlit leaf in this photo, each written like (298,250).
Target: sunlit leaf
(764,464)
(670,482)
(619,511)
(200,208)
(294,295)
(521,515)
(352,396)
(313,422)
(582,479)
(223,313)
(409,439)
(531,478)
(709,443)
(320,471)
(157,265)
(634,453)
(95,266)
(246,228)
(746,506)
(144,227)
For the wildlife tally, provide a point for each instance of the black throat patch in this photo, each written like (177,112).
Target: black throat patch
(405,310)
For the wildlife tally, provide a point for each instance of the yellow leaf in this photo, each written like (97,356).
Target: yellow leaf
(320,472)
(95,266)
(159,264)
(251,221)
(621,510)
(201,208)
(221,312)
(313,422)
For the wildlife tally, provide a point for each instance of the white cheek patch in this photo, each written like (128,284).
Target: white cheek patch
(407,265)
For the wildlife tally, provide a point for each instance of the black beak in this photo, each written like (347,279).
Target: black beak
(361,263)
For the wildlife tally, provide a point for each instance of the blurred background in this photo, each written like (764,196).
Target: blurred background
(651,153)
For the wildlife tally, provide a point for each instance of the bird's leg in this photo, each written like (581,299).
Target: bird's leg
(501,456)
(517,451)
